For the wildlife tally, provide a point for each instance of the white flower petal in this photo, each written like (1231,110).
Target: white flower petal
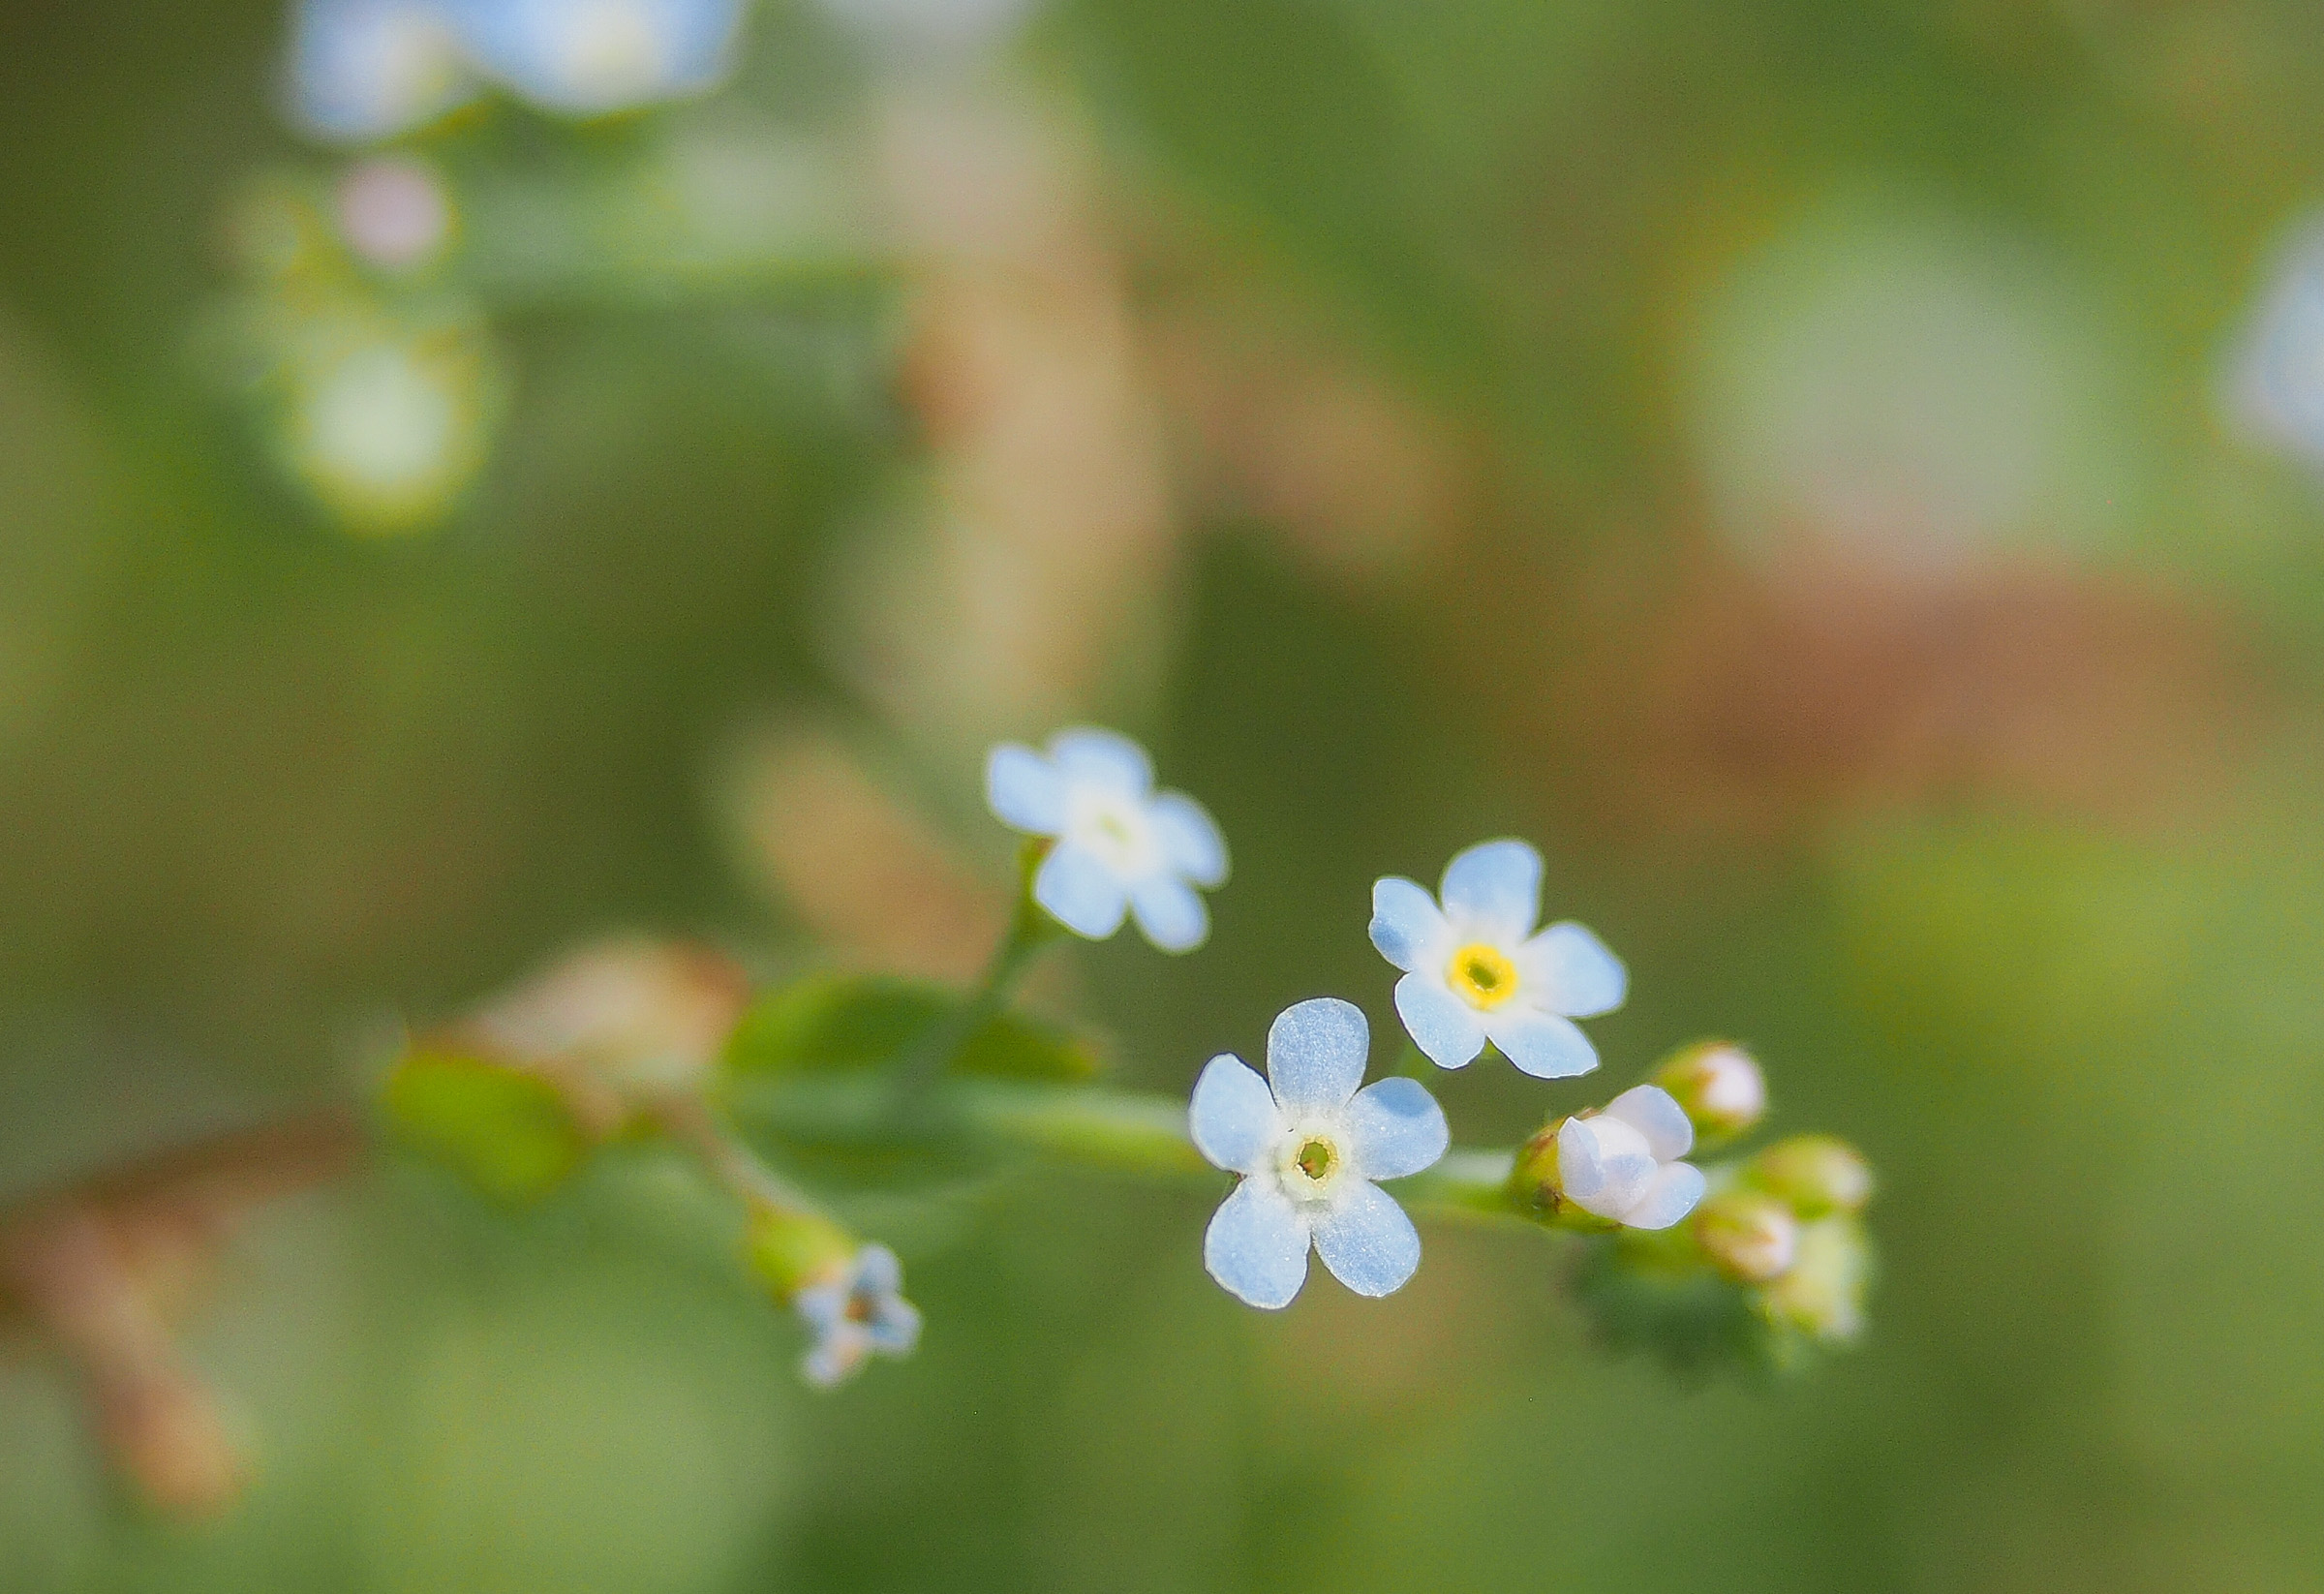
(1602,1166)
(1232,1119)
(1024,790)
(1190,839)
(1257,1245)
(1670,1196)
(836,1356)
(1171,912)
(1656,1115)
(1407,925)
(1366,1239)
(878,1271)
(1569,971)
(1495,887)
(1395,1129)
(1447,1030)
(1541,1044)
(895,1328)
(1315,1054)
(1103,758)
(1077,889)
(588,56)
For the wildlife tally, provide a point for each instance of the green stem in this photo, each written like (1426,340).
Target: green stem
(1029,931)
(1114,1131)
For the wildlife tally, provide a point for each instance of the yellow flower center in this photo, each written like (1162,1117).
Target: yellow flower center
(1482,976)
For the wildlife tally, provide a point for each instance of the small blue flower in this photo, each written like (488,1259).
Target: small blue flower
(587,57)
(1122,848)
(1309,1148)
(857,1313)
(1623,1164)
(1474,970)
(2276,381)
(362,70)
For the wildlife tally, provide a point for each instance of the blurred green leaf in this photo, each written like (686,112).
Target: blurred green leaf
(508,1132)
(1686,1317)
(831,1023)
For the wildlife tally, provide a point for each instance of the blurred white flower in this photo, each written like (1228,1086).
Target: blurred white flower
(855,1314)
(1309,1150)
(1122,848)
(587,57)
(362,70)
(393,211)
(366,70)
(1474,970)
(387,428)
(1623,1164)
(2275,381)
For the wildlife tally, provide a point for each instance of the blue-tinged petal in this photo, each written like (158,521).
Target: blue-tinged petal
(1654,1113)
(1080,892)
(1102,759)
(1396,1127)
(1190,839)
(1567,969)
(1315,1054)
(1232,1119)
(1366,1240)
(1602,1166)
(585,57)
(370,69)
(1407,925)
(1440,1024)
(1024,790)
(1171,912)
(1495,889)
(878,1271)
(1257,1245)
(1669,1196)
(1541,1044)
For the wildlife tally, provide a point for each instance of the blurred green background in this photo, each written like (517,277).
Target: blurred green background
(1771,454)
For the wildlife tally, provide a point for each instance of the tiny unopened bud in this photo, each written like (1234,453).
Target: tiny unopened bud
(1823,1292)
(1534,1182)
(1817,1173)
(1748,1236)
(790,1251)
(1719,1084)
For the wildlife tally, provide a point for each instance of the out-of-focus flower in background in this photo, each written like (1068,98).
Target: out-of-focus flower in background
(366,70)
(2274,388)
(394,212)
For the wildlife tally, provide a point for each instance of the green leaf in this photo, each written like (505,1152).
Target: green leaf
(832,1023)
(508,1132)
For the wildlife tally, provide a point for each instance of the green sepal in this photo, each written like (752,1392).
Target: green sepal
(1644,1297)
(833,1023)
(509,1133)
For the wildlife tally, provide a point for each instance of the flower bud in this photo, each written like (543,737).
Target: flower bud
(1822,1294)
(1817,1173)
(1720,1087)
(1748,1236)
(1534,1182)
(789,1251)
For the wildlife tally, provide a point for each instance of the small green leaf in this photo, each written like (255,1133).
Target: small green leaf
(508,1132)
(833,1023)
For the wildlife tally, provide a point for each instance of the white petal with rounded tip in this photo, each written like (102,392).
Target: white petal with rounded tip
(1315,1054)
(1171,912)
(1656,1115)
(1024,790)
(1669,1196)
(1190,839)
(1407,925)
(876,1269)
(1366,1240)
(1076,888)
(895,1328)
(1602,1166)
(1494,886)
(1541,1044)
(1232,1119)
(1257,1245)
(1397,1128)
(1447,1029)
(1103,758)
(1569,971)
